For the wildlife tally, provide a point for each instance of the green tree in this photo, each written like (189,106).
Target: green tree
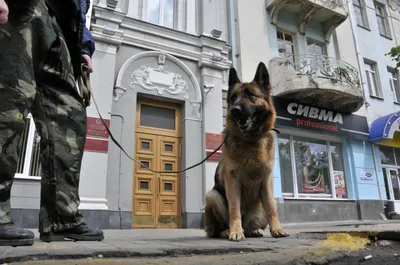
(395,54)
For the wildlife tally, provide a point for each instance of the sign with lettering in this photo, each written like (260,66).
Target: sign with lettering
(215,157)
(294,114)
(96,145)
(213,141)
(366,176)
(96,128)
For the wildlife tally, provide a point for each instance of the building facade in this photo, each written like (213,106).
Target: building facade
(160,80)
(159,67)
(333,88)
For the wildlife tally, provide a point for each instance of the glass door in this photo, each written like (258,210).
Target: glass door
(392,183)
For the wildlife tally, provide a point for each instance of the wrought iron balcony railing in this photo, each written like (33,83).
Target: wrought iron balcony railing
(321,66)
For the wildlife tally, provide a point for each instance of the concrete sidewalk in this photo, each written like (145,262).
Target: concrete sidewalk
(164,243)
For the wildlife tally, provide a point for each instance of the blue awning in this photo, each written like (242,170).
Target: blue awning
(385,127)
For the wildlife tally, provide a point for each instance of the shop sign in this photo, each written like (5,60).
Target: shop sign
(366,176)
(294,114)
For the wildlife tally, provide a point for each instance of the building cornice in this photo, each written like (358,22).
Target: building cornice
(116,28)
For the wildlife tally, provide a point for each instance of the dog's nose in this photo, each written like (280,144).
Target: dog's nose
(236,110)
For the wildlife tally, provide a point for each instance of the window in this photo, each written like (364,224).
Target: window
(161,12)
(316,60)
(311,168)
(157,117)
(372,80)
(29,166)
(394,84)
(315,47)
(286,45)
(383,24)
(361,14)
(388,155)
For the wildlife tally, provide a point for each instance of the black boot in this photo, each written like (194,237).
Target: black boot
(10,235)
(80,233)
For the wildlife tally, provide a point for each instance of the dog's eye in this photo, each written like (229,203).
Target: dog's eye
(233,97)
(249,95)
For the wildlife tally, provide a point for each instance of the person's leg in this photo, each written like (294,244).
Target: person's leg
(17,90)
(60,118)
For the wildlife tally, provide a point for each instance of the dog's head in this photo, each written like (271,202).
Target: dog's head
(250,107)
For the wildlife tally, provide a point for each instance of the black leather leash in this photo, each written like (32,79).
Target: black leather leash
(88,94)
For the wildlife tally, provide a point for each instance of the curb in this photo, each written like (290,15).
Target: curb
(133,254)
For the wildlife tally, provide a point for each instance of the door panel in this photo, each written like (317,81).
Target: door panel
(156,198)
(395,183)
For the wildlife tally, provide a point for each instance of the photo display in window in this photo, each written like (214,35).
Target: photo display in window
(312,166)
(338,171)
(285,160)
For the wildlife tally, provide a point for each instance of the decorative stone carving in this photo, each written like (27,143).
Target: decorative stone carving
(157,79)
(197,106)
(118,91)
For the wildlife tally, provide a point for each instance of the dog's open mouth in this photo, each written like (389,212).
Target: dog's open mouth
(245,125)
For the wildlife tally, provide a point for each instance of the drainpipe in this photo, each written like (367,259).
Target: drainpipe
(359,58)
(119,169)
(203,146)
(232,32)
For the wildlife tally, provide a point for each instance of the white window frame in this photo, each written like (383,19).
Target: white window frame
(287,54)
(378,91)
(393,72)
(363,11)
(384,18)
(29,151)
(161,13)
(304,196)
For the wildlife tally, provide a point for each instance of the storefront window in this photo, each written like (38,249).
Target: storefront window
(314,177)
(338,170)
(285,159)
(387,155)
(312,166)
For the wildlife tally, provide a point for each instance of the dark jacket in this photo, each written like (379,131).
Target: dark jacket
(71,15)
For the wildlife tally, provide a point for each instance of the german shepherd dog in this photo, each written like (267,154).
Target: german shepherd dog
(242,204)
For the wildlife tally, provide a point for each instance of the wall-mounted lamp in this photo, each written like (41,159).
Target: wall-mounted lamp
(208,89)
(216,33)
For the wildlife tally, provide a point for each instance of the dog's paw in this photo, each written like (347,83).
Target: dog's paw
(278,233)
(236,236)
(258,233)
(224,234)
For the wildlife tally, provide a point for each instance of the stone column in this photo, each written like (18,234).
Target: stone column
(94,166)
(214,68)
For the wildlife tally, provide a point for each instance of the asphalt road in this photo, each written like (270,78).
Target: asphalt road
(382,255)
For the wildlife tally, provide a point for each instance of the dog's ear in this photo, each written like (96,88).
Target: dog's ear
(262,79)
(232,81)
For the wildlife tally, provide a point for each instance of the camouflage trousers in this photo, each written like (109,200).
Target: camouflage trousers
(36,77)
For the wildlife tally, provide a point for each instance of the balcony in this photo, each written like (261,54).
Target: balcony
(331,13)
(317,80)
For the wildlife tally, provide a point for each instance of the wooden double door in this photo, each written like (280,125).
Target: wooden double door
(156,197)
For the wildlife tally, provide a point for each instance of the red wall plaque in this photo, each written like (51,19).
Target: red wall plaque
(95,145)
(215,157)
(96,128)
(213,141)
